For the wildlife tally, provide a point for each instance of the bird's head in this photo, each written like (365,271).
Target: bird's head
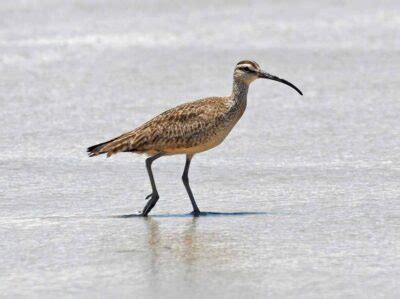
(247,71)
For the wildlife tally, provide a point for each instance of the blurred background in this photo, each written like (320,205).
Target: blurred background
(323,170)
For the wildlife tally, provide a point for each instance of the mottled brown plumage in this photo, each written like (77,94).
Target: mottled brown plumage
(188,128)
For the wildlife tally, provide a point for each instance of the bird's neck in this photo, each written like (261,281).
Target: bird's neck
(238,100)
(239,91)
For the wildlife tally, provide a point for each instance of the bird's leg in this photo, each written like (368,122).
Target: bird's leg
(185,179)
(154,195)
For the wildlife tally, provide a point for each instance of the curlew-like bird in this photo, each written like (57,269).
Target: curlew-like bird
(188,129)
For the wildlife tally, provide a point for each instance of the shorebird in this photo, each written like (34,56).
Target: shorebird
(188,129)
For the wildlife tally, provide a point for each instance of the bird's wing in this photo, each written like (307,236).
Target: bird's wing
(184,126)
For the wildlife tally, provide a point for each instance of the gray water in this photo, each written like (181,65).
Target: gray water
(307,187)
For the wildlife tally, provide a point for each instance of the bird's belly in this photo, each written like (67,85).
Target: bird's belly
(210,143)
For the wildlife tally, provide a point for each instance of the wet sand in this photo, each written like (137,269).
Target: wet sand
(302,197)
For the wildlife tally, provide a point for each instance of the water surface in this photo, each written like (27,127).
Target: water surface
(303,196)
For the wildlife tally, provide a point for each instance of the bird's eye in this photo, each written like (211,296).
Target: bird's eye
(247,69)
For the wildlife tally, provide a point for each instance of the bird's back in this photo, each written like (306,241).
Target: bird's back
(186,129)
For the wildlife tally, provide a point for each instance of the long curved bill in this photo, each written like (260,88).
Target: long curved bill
(265,75)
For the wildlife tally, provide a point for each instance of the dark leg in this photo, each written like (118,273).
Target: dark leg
(154,195)
(185,180)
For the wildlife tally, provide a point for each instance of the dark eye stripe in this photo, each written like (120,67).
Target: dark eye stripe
(246,69)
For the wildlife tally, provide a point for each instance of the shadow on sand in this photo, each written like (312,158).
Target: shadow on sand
(183,215)
(202,214)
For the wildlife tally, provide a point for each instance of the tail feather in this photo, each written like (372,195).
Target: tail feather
(110,147)
(98,149)
(95,150)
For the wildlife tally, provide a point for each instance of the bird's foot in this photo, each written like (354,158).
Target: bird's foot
(150,204)
(150,196)
(197,213)
(142,214)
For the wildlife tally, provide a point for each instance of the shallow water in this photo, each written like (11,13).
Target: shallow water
(302,197)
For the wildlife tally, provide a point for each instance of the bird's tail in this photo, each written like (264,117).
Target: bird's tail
(97,149)
(109,147)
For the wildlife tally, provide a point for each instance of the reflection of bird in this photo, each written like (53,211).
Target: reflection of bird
(183,242)
(188,129)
